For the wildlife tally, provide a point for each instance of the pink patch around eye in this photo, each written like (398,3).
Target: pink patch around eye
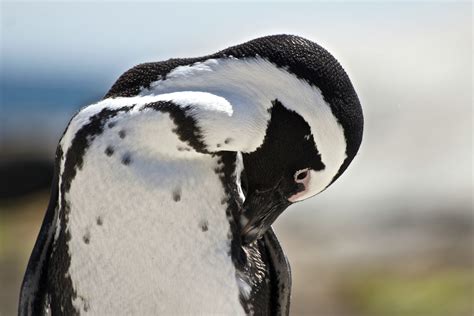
(304,182)
(295,197)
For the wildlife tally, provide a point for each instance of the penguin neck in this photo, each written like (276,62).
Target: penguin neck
(243,85)
(250,86)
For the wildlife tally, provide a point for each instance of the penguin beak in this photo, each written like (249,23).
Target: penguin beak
(260,210)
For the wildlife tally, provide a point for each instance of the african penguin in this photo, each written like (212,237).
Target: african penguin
(165,191)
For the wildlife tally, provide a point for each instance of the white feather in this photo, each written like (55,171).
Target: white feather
(250,85)
(150,254)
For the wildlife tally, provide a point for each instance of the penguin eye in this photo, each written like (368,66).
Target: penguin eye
(302,175)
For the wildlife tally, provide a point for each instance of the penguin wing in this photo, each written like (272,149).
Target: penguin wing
(282,273)
(33,289)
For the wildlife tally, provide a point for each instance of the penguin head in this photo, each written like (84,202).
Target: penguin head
(297,122)
(306,146)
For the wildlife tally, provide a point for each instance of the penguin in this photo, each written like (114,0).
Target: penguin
(165,191)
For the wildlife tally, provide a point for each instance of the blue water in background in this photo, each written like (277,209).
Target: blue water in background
(35,109)
(53,94)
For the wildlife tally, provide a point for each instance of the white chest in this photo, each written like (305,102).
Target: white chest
(149,234)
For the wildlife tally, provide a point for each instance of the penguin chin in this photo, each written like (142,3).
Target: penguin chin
(251,233)
(259,213)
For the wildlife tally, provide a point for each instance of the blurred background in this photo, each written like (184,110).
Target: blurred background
(393,236)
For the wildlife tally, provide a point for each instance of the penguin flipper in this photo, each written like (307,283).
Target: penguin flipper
(282,274)
(34,286)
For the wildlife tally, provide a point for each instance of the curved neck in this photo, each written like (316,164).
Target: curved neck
(250,85)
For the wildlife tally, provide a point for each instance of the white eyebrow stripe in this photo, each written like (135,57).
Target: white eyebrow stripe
(257,82)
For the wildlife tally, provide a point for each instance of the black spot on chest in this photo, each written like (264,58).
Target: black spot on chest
(126,159)
(181,148)
(204,226)
(86,238)
(177,194)
(109,151)
(122,134)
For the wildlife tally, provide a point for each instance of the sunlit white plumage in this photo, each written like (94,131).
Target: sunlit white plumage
(165,191)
